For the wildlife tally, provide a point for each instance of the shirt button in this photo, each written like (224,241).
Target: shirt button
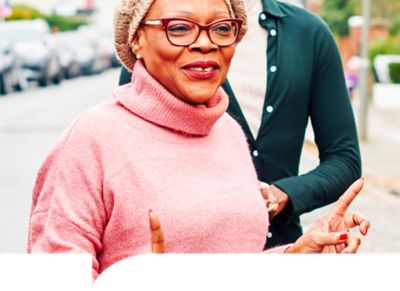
(273,32)
(269,235)
(270,109)
(263,16)
(273,69)
(255,153)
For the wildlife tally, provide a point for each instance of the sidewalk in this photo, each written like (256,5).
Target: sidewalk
(381,152)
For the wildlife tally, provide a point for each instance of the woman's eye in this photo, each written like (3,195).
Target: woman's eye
(179,29)
(224,28)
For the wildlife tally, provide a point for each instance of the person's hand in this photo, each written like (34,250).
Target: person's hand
(331,233)
(337,219)
(157,235)
(275,199)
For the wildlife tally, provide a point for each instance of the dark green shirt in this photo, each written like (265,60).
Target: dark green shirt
(305,80)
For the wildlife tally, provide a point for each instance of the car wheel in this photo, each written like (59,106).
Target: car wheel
(43,82)
(4,85)
(57,79)
(21,84)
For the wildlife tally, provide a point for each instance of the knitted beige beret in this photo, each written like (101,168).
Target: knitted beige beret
(130,13)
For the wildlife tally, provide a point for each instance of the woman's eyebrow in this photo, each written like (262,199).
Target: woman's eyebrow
(216,13)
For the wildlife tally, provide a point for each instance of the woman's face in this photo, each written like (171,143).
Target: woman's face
(181,69)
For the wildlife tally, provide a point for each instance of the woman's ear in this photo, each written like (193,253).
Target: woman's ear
(136,42)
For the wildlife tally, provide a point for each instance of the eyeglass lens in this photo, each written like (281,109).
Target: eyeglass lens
(181,32)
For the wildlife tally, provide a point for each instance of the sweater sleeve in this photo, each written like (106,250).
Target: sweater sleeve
(278,250)
(335,134)
(68,214)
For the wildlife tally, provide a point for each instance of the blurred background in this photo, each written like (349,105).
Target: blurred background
(57,59)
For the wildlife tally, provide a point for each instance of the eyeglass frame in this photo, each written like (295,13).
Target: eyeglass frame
(165,21)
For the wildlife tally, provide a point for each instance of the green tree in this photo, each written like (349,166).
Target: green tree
(389,10)
(24,12)
(57,23)
(336,14)
(386,12)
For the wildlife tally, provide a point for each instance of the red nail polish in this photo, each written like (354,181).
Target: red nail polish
(343,236)
(366,230)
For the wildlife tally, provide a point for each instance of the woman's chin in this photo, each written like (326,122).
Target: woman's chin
(197,99)
(199,95)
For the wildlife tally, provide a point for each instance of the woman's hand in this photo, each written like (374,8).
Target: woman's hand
(157,235)
(331,233)
(275,199)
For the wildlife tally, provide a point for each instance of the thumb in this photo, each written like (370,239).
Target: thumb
(324,239)
(157,234)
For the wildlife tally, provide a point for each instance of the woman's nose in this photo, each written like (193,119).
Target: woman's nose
(203,43)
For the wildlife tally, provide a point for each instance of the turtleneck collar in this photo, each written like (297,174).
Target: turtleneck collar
(147,98)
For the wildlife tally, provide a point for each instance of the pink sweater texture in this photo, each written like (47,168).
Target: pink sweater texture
(146,149)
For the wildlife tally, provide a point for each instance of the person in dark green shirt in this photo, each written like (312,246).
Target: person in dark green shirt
(303,79)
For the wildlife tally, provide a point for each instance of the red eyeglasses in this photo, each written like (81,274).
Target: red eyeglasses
(184,32)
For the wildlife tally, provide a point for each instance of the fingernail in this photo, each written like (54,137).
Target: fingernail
(343,236)
(150,212)
(366,230)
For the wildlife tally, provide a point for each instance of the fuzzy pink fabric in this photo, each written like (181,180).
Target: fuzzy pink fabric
(146,149)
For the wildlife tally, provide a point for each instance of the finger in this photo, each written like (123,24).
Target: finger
(353,244)
(272,211)
(341,206)
(356,219)
(329,250)
(157,235)
(324,239)
(264,190)
(273,207)
(271,199)
(263,185)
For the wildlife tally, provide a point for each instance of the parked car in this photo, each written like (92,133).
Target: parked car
(35,48)
(68,62)
(104,40)
(83,50)
(11,77)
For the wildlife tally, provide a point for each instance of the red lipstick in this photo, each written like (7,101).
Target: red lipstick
(202,69)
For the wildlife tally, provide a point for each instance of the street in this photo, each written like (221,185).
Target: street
(31,121)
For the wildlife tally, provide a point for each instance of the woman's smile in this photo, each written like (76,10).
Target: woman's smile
(202,70)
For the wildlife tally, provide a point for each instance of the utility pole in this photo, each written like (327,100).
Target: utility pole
(364,71)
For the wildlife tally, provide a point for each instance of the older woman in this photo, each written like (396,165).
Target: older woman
(164,143)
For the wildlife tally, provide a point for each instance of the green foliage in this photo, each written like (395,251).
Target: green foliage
(394,71)
(24,12)
(56,23)
(59,23)
(387,46)
(336,14)
(396,25)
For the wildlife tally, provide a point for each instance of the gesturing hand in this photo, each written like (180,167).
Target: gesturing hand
(337,219)
(157,235)
(331,233)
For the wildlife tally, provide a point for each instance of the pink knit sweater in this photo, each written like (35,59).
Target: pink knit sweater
(146,149)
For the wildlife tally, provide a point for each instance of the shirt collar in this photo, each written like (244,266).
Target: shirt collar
(272,7)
